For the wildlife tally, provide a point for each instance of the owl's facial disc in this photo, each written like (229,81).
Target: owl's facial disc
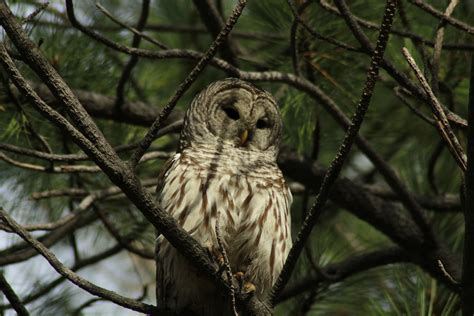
(245,120)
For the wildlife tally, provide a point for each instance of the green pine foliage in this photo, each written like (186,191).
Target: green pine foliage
(404,140)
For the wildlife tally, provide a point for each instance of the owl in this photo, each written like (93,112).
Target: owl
(225,166)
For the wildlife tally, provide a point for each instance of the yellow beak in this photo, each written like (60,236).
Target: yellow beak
(243,137)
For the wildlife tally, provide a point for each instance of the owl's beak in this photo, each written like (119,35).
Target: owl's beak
(244,137)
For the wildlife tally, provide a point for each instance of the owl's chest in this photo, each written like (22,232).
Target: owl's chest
(195,196)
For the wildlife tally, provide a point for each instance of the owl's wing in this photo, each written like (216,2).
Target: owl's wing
(160,273)
(162,175)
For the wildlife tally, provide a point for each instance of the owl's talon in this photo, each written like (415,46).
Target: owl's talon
(248,288)
(239,275)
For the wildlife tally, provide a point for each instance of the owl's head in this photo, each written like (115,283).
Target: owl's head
(236,113)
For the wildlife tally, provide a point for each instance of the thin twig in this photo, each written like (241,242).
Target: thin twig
(446,273)
(454,22)
(412,36)
(398,92)
(337,163)
(228,269)
(86,304)
(157,124)
(438,46)
(294,39)
(133,61)
(214,23)
(130,28)
(33,14)
(442,122)
(318,35)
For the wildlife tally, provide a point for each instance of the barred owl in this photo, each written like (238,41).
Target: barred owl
(226,164)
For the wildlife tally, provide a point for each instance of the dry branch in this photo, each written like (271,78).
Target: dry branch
(442,123)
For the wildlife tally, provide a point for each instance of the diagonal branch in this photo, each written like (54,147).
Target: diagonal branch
(51,78)
(344,149)
(211,18)
(443,16)
(12,297)
(316,34)
(442,123)
(388,173)
(157,124)
(438,47)
(412,36)
(69,274)
(131,29)
(337,272)
(82,263)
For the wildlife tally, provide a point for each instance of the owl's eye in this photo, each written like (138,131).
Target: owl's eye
(231,112)
(263,123)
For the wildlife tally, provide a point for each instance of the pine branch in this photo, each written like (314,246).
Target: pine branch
(337,163)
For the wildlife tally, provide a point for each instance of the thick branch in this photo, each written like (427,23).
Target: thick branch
(389,218)
(102,106)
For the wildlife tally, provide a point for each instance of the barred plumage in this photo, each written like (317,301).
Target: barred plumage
(213,173)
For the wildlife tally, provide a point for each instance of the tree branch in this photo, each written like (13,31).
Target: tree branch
(443,16)
(70,275)
(43,290)
(71,168)
(12,297)
(207,57)
(211,18)
(131,29)
(133,61)
(344,149)
(338,272)
(414,37)
(442,123)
